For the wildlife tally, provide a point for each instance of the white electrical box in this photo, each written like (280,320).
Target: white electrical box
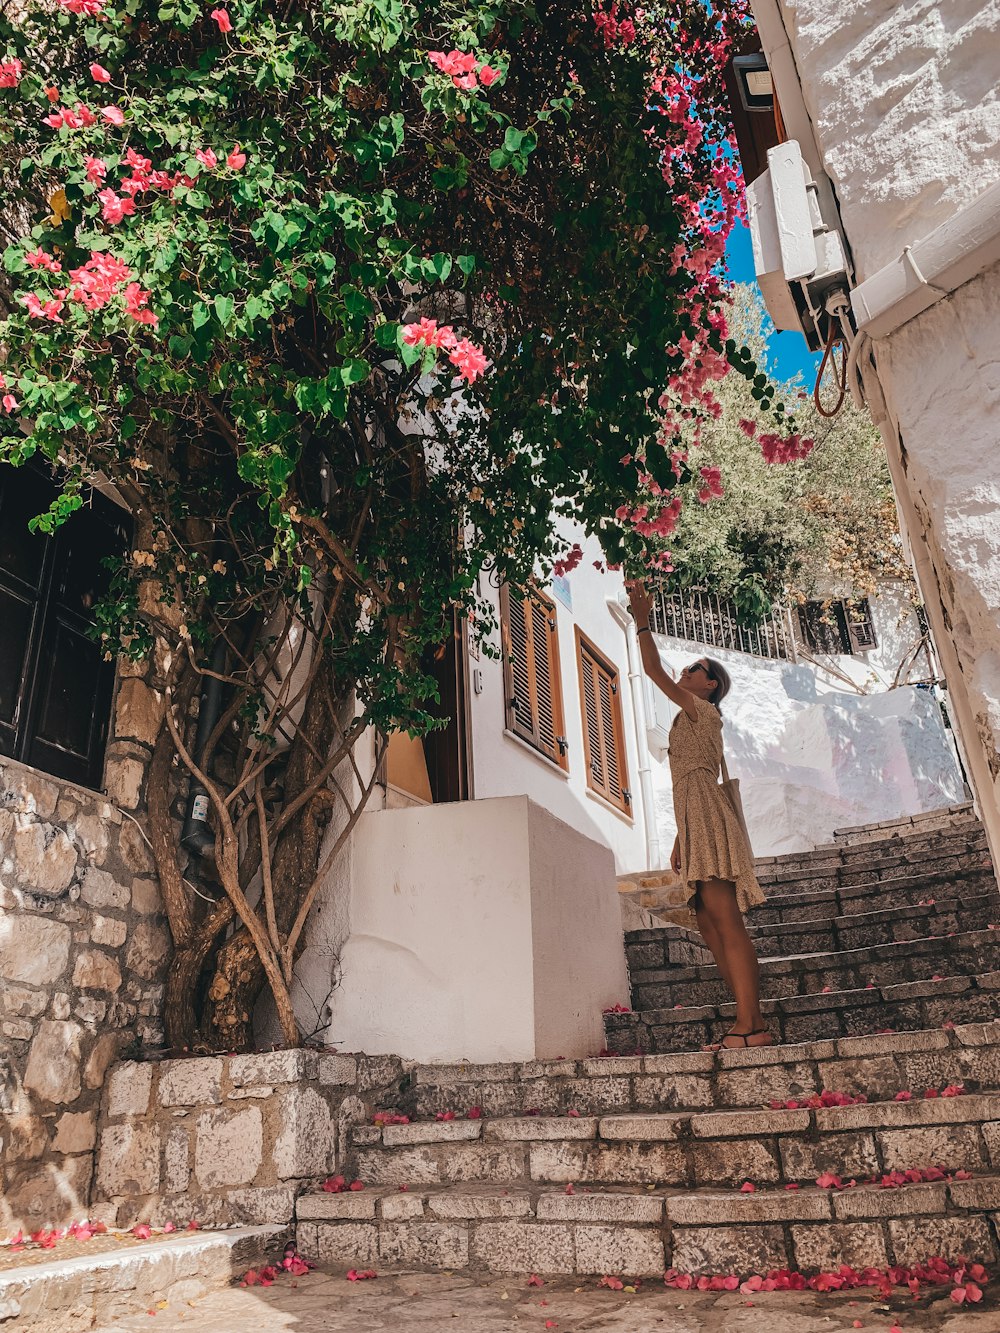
(798,258)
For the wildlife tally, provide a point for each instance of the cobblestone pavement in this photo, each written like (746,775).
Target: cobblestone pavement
(434,1303)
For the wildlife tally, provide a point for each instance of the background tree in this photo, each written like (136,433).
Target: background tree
(821,526)
(349,301)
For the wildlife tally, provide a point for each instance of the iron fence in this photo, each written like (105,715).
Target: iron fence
(701,617)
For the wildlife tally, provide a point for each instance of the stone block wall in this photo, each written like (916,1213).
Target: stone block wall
(83,953)
(229,1139)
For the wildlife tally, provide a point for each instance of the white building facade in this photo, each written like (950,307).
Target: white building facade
(489,927)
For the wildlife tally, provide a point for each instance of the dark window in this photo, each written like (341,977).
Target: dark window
(532,684)
(603,726)
(55,688)
(838,627)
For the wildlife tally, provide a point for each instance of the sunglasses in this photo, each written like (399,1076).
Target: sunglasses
(696,666)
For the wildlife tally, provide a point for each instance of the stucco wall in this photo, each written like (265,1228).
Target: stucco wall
(904,102)
(482,930)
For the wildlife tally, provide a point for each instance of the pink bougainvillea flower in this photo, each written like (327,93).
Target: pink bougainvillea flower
(535,1281)
(85,8)
(48,309)
(356,1185)
(40,259)
(222,18)
(903,1097)
(236,158)
(828,1181)
(488,75)
(474,1113)
(10,73)
(113,115)
(207,158)
(10,403)
(748,1187)
(445,1115)
(570,1189)
(113,207)
(428,333)
(142,1231)
(573,1114)
(612,1283)
(52,93)
(99,74)
(363,1275)
(468,359)
(137,305)
(334,1185)
(97,169)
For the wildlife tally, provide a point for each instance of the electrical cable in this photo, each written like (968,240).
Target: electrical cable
(832,339)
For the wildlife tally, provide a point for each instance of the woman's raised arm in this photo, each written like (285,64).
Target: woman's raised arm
(641,604)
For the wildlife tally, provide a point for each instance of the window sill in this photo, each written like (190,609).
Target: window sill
(550,764)
(606,804)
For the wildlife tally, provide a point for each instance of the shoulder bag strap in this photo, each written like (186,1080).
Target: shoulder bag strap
(725,770)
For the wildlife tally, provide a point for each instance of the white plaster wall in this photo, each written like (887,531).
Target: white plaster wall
(941,376)
(482,930)
(505,766)
(904,100)
(904,96)
(812,755)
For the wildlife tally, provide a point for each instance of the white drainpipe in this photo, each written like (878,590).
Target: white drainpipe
(637,680)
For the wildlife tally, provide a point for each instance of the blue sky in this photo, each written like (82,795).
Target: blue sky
(789,353)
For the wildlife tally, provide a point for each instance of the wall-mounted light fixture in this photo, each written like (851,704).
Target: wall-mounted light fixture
(753,78)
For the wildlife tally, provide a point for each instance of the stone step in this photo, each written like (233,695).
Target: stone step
(637,1232)
(907,891)
(957,959)
(693,1150)
(824,922)
(960,833)
(876,869)
(864,930)
(906,1007)
(878,1066)
(110,1280)
(942,818)
(915,851)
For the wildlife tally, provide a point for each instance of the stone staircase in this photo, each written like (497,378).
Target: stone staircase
(663,1154)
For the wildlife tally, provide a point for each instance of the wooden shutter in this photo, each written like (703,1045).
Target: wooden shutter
(603,726)
(532,682)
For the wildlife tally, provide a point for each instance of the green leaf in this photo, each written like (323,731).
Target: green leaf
(224,307)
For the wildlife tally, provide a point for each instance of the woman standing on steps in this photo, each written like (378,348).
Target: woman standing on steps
(711,853)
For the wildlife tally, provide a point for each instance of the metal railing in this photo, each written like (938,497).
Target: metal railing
(701,617)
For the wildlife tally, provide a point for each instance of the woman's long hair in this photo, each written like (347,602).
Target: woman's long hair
(723,684)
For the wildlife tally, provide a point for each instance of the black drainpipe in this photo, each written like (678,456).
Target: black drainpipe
(197,835)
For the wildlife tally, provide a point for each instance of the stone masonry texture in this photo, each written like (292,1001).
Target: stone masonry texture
(83,952)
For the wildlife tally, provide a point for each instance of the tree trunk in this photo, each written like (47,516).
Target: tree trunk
(239,973)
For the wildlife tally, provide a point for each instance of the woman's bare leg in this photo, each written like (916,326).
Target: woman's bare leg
(741,972)
(712,938)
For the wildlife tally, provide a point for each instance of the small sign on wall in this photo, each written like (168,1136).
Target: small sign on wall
(561,589)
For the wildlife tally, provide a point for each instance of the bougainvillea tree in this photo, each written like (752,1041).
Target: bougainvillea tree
(349,300)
